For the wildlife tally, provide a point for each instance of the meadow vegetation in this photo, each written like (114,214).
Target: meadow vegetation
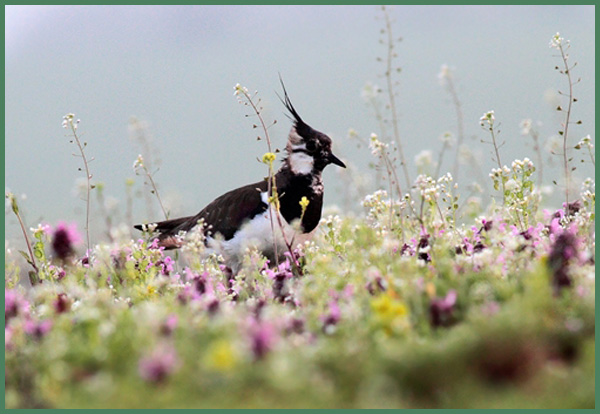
(433,296)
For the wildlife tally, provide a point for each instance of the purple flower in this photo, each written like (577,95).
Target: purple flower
(64,239)
(295,325)
(331,319)
(441,309)
(203,284)
(169,325)
(14,305)
(158,365)
(554,226)
(262,338)
(61,303)
(258,308)
(280,290)
(376,285)
(184,296)
(165,265)
(486,225)
(406,250)
(573,207)
(423,248)
(37,330)
(213,307)
(562,253)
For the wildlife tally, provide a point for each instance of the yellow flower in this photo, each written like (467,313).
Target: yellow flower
(221,356)
(304,203)
(268,158)
(274,200)
(151,291)
(387,308)
(390,314)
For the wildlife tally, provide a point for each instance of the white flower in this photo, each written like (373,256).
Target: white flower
(40,230)
(447,138)
(556,41)
(139,162)
(511,185)
(424,159)
(525,126)
(370,91)
(239,89)
(376,146)
(487,117)
(444,74)
(446,178)
(68,121)
(585,142)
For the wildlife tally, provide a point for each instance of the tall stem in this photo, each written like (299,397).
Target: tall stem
(392,95)
(88,178)
(499,163)
(565,134)
(459,126)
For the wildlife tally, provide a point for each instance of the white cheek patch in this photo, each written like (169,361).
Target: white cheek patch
(297,147)
(294,137)
(301,163)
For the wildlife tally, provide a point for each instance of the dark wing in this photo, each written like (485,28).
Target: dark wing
(224,215)
(228,213)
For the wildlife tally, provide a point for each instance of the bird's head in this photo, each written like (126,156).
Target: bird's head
(308,150)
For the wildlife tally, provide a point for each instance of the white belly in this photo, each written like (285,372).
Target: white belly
(258,233)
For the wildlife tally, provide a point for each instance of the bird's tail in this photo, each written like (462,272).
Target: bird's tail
(168,230)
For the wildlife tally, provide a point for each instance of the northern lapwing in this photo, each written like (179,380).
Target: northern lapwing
(241,218)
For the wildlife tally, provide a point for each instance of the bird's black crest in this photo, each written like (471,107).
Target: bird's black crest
(288,104)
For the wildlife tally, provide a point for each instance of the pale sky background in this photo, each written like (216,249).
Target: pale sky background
(174,67)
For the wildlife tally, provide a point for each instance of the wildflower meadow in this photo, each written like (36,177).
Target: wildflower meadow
(429,294)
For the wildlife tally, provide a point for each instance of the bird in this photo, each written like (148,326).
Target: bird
(250,217)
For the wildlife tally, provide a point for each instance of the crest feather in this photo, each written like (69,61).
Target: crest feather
(288,104)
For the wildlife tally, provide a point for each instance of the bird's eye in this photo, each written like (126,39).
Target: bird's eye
(311,146)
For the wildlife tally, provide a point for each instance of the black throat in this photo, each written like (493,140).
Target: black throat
(291,188)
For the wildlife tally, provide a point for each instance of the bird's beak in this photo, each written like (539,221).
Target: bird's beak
(335,160)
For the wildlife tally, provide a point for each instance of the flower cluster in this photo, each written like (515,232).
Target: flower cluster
(487,120)
(520,197)
(427,188)
(376,146)
(556,42)
(69,122)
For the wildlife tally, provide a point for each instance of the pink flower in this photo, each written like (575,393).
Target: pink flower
(166,265)
(37,329)
(169,325)
(331,318)
(262,338)
(441,309)
(158,365)
(64,239)
(61,303)
(555,226)
(564,252)
(14,305)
